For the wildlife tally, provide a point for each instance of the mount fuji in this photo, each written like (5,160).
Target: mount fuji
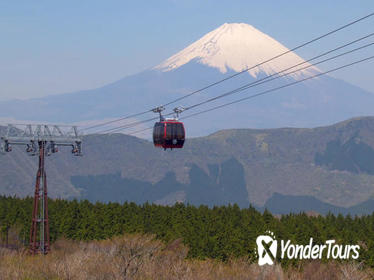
(236,47)
(221,53)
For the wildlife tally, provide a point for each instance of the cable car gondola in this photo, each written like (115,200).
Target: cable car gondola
(168,133)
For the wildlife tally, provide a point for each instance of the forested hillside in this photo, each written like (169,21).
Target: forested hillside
(218,232)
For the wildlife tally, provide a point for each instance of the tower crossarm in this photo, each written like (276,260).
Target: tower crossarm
(29,134)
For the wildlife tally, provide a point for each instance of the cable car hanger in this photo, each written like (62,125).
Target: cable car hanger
(177,111)
(159,110)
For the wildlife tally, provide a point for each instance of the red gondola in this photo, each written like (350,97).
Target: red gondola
(168,133)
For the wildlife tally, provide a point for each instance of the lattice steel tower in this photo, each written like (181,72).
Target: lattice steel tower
(41,140)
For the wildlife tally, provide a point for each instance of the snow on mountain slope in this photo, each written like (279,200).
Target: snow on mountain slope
(237,46)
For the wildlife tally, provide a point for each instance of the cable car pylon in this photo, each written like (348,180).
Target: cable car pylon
(40,140)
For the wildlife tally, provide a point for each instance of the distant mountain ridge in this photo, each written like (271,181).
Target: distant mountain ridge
(328,168)
(217,55)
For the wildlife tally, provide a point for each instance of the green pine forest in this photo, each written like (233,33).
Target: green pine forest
(217,232)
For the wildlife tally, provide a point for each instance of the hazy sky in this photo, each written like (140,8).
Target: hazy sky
(50,47)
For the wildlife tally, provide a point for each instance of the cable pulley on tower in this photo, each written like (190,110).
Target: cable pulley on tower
(30,134)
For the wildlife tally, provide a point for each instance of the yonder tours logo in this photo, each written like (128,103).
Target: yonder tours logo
(267,248)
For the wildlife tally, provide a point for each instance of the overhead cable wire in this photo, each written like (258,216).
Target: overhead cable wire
(140,130)
(259,82)
(270,59)
(125,126)
(278,88)
(116,120)
(236,74)
(270,90)
(266,80)
(129,125)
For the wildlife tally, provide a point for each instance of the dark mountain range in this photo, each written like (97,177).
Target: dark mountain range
(223,185)
(321,169)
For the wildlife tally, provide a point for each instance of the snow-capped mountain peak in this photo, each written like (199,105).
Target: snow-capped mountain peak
(236,46)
